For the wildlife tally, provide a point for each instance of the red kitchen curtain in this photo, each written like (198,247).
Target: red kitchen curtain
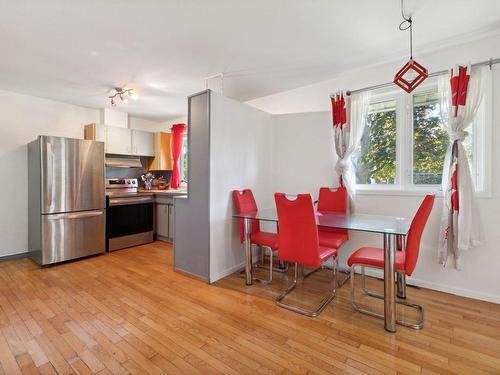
(460,223)
(177,140)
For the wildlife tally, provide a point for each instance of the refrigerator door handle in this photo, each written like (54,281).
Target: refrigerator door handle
(50,175)
(75,215)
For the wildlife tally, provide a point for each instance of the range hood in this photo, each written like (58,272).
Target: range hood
(121,162)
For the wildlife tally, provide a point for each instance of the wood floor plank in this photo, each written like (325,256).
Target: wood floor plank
(7,359)
(27,365)
(128,312)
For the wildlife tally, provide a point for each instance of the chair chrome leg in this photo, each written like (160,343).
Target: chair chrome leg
(271,266)
(282,267)
(300,310)
(341,282)
(401,285)
(419,324)
(345,279)
(256,279)
(304,275)
(353,300)
(363,285)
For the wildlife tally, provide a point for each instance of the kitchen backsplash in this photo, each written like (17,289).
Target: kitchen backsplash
(117,172)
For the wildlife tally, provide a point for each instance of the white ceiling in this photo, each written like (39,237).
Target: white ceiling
(75,51)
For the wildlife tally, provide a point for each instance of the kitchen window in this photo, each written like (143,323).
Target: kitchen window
(184,160)
(404,144)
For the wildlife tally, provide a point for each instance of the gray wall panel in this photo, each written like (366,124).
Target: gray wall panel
(192,214)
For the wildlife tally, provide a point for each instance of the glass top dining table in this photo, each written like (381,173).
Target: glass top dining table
(358,222)
(393,229)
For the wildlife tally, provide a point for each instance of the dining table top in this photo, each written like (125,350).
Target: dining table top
(353,221)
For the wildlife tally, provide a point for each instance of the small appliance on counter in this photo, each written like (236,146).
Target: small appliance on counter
(129,219)
(148,179)
(163,184)
(66,214)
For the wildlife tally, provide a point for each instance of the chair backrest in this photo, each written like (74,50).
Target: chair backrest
(244,203)
(332,200)
(298,234)
(415,233)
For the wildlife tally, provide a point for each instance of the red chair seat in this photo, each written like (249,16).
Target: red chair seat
(326,253)
(265,239)
(331,239)
(373,256)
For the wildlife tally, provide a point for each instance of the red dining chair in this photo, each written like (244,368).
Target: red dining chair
(299,243)
(244,202)
(333,200)
(404,263)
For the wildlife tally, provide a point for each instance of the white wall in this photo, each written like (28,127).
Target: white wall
(240,157)
(23,118)
(178,120)
(315,97)
(154,126)
(303,159)
(303,156)
(148,125)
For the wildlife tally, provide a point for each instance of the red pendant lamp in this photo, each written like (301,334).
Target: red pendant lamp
(412,73)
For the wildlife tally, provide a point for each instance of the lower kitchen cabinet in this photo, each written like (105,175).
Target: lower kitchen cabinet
(164,223)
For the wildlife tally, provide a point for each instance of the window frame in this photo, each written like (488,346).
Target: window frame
(482,140)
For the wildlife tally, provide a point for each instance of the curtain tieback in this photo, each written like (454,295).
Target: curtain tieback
(342,166)
(458,136)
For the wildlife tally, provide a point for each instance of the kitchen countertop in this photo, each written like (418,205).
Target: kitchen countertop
(170,192)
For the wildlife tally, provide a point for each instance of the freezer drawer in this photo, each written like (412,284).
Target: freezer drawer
(72,235)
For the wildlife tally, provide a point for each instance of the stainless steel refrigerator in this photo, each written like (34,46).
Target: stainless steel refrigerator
(66,198)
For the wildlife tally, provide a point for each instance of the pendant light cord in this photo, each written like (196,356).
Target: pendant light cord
(405,25)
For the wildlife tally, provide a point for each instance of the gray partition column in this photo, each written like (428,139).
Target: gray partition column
(192,214)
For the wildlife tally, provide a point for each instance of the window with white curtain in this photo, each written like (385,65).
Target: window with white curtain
(404,143)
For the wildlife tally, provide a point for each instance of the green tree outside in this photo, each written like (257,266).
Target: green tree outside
(375,161)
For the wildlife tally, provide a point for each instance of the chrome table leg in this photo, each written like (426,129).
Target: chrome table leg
(389,292)
(248,251)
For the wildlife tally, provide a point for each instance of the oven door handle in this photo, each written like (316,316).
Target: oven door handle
(127,201)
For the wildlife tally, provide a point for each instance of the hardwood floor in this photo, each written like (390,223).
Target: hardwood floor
(128,312)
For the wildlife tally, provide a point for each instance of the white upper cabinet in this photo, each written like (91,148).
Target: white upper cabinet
(118,140)
(142,143)
(122,141)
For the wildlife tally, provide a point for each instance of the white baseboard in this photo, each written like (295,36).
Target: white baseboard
(458,291)
(441,287)
(229,271)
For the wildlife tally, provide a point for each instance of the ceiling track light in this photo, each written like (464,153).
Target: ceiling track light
(123,93)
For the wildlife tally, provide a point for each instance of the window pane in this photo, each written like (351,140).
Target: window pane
(430,139)
(184,159)
(375,158)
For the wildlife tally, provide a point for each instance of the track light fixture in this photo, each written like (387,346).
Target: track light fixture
(123,93)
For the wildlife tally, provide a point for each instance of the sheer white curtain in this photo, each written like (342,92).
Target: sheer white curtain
(460,222)
(348,136)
